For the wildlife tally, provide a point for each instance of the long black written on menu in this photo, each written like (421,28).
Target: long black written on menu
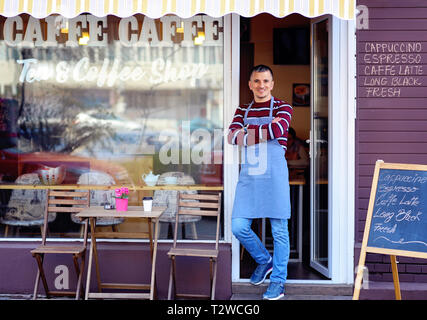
(399,216)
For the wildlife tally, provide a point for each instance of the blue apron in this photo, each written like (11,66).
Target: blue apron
(263,187)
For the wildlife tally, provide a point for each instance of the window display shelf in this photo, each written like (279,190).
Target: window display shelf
(130,187)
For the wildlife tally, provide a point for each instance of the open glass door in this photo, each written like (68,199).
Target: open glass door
(319,146)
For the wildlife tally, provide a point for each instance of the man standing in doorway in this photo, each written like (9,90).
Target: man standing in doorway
(261,128)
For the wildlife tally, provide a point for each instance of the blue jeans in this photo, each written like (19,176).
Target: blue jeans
(241,228)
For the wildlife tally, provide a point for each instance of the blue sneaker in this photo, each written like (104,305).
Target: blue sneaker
(275,291)
(261,272)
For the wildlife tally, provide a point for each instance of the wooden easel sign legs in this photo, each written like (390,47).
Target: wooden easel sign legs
(395,223)
(359,278)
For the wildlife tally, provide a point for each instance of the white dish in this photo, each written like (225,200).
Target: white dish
(170,180)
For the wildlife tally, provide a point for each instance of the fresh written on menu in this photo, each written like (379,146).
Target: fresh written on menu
(388,68)
(398,219)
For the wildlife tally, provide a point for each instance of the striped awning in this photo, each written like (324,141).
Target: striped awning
(344,9)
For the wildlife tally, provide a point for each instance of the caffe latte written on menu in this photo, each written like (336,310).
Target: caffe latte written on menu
(399,219)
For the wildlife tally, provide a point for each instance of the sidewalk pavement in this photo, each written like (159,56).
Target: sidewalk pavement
(246,291)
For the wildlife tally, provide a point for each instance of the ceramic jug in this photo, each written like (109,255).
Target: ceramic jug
(150,179)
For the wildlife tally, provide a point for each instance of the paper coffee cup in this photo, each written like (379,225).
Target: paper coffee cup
(147,203)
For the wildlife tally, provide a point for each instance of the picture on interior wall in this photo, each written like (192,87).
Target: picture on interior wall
(301,95)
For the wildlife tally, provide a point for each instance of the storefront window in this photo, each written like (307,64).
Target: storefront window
(107,101)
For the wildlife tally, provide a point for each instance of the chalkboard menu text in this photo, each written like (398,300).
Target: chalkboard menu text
(390,67)
(398,218)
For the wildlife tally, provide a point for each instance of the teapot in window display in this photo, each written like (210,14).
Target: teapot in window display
(150,179)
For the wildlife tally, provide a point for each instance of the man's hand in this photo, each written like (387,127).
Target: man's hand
(275,120)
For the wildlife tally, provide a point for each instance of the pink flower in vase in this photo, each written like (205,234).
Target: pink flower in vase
(121,193)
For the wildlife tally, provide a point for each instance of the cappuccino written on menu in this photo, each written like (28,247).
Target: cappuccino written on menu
(399,219)
(389,68)
(131,32)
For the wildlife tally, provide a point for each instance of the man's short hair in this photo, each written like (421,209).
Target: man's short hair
(260,68)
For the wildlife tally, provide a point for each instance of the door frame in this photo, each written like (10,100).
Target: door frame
(342,148)
(326,271)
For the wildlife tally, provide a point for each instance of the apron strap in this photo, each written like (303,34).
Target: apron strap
(245,118)
(271,106)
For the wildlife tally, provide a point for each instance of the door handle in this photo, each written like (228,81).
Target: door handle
(309,144)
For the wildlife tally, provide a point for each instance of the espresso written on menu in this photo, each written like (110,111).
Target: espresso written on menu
(389,68)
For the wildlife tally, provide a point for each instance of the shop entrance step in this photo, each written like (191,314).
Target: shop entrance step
(294,291)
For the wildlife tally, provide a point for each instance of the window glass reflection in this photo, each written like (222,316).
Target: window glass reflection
(105,101)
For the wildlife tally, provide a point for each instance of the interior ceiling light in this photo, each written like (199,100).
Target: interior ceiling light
(181,28)
(84,39)
(199,39)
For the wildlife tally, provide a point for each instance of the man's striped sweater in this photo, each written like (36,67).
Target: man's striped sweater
(255,133)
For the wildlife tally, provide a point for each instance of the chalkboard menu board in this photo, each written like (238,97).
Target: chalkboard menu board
(396,222)
(399,216)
